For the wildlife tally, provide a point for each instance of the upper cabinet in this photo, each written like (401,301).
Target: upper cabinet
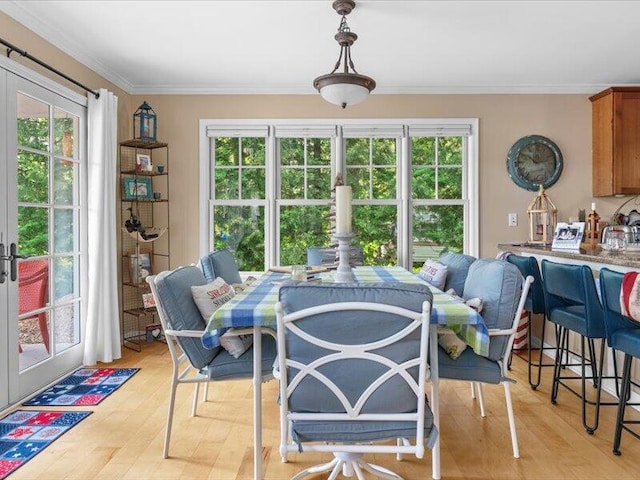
(616,141)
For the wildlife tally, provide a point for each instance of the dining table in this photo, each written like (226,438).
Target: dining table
(254,307)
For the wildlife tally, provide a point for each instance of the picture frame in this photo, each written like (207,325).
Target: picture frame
(148,301)
(139,267)
(143,162)
(135,188)
(568,235)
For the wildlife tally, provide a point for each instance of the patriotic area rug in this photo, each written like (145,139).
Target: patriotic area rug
(25,433)
(85,386)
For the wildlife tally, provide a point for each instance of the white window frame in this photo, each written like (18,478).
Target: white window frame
(402,129)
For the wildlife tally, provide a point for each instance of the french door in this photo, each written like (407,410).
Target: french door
(43,147)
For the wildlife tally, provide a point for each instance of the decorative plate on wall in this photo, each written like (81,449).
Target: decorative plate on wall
(534,160)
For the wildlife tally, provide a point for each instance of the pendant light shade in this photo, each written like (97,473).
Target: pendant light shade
(347,87)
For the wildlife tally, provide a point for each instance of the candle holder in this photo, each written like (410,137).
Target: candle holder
(344,274)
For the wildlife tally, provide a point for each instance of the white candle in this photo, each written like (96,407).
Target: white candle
(593,207)
(343,210)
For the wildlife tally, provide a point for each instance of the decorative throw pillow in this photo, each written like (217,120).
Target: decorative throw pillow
(450,342)
(235,344)
(211,296)
(434,273)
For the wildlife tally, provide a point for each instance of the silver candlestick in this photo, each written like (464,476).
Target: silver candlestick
(344,274)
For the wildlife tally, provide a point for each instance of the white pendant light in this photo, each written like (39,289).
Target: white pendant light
(347,87)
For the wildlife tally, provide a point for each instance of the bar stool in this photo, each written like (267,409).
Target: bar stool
(572,304)
(535,303)
(623,334)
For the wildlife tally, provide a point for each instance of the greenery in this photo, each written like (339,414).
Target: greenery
(240,175)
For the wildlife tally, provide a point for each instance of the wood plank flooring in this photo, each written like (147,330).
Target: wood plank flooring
(123,438)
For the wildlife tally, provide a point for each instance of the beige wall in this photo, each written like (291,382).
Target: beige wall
(566,119)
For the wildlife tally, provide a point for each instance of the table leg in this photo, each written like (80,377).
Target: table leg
(257,402)
(435,398)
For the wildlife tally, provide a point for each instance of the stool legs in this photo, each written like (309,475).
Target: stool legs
(562,348)
(622,402)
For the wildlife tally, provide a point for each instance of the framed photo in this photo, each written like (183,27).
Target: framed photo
(136,188)
(148,301)
(143,163)
(568,235)
(139,267)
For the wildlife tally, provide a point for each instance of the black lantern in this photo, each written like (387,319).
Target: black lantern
(145,123)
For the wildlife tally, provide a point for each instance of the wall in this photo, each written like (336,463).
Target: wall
(566,119)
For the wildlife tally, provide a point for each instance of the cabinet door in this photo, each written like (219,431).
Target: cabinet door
(626,143)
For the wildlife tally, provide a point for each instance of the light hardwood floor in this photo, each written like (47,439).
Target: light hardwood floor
(123,438)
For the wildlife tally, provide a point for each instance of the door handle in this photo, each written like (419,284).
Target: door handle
(13,258)
(3,258)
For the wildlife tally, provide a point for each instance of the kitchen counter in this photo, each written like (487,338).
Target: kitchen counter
(627,260)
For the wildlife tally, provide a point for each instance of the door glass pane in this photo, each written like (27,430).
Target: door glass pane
(65,133)
(33,321)
(33,177)
(67,325)
(33,231)
(63,178)
(63,278)
(33,123)
(63,230)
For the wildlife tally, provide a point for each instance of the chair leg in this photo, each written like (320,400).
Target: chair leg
(205,393)
(44,330)
(596,373)
(535,384)
(167,433)
(561,337)
(194,406)
(512,420)
(473,390)
(480,398)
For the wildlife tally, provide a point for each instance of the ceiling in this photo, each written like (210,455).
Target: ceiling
(269,47)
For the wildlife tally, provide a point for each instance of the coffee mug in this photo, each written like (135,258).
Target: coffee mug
(160,168)
(157,195)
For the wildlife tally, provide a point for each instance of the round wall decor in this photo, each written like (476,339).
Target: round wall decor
(534,160)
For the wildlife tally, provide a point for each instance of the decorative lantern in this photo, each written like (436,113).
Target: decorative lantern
(145,123)
(543,217)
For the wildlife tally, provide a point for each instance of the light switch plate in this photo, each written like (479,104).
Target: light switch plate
(513,219)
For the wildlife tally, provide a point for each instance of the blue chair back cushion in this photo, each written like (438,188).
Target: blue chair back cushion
(572,299)
(499,284)
(457,268)
(174,292)
(623,333)
(529,266)
(220,263)
(353,327)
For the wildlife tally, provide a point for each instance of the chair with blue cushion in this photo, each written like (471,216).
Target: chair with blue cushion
(183,327)
(623,334)
(353,367)
(457,268)
(573,305)
(503,292)
(220,263)
(534,305)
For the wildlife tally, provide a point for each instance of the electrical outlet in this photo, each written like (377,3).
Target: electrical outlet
(513,219)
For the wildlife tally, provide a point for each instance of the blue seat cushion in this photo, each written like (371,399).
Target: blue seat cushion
(469,366)
(360,431)
(571,317)
(457,268)
(225,366)
(220,263)
(627,340)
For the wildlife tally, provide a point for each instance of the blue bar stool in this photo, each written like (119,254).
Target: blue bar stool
(572,304)
(535,304)
(623,334)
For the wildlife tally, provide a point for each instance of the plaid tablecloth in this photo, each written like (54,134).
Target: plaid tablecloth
(256,305)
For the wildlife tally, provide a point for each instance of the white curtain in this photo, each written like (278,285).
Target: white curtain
(102,340)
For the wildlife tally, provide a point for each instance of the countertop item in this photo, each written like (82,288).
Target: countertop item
(629,259)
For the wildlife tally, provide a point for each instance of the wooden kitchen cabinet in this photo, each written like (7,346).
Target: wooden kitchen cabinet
(616,141)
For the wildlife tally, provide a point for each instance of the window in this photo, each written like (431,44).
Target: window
(269,188)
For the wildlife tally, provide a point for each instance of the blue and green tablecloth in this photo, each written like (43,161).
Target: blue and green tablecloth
(256,305)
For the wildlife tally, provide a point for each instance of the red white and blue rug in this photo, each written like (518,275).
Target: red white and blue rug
(85,386)
(25,433)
